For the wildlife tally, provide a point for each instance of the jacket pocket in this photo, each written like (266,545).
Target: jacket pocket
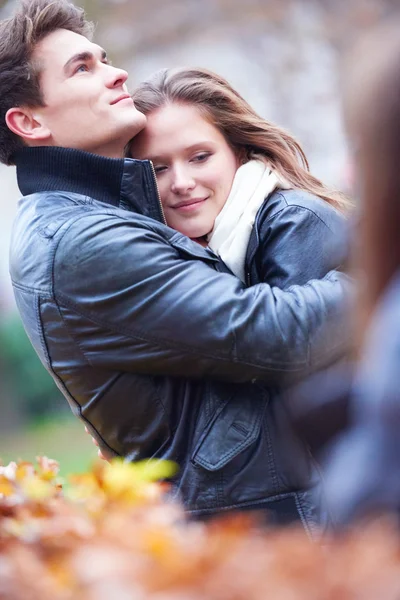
(235,426)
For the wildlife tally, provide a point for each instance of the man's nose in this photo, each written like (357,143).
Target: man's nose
(182,181)
(116,77)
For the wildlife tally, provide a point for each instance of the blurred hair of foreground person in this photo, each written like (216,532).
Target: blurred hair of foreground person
(363,467)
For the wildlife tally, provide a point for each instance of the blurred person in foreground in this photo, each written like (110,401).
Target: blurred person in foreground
(135,321)
(363,463)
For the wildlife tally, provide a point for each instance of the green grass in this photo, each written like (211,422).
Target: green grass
(63,439)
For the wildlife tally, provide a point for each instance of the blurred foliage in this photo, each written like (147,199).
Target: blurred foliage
(116,533)
(32,388)
(62,437)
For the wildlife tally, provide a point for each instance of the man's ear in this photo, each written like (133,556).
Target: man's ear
(26,124)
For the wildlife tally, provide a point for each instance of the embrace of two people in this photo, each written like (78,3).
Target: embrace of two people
(175,264)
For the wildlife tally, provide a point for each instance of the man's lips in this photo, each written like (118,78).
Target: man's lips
(122,97)
(191,204)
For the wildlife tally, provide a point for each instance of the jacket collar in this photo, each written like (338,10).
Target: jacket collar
(125,183)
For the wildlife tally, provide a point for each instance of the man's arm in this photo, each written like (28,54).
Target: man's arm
(133,303)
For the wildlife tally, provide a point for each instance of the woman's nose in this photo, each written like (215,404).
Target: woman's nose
(182,181)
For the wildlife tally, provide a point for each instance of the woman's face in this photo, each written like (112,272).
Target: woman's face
(194,164)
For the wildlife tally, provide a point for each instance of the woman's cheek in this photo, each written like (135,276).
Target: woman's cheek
(162,190)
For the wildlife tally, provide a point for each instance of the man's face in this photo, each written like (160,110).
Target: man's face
(87,104)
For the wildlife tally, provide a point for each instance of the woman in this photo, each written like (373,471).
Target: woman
(235,182)
(217,162)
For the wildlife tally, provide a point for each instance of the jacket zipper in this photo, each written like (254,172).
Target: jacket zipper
(253,252)
(248,279)
(164,220)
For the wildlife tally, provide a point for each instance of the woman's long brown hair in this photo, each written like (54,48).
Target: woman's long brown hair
(246,132)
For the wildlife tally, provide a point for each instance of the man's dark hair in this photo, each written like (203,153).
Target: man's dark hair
(19,76)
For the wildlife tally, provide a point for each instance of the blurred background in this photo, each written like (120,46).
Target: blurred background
(284,56)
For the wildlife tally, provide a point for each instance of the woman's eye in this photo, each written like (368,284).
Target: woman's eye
(159,169)
(201,157)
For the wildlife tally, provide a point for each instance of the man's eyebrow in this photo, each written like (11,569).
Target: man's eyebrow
(82,57)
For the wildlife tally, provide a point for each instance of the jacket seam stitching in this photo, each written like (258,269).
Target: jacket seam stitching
(41,334)
(220,489)
(289,206)
(303,518)
(265,501)
(271,457)
(26,288)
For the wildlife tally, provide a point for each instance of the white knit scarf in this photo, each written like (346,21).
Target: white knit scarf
(253,183)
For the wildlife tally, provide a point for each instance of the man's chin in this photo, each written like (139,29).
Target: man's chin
(138,123)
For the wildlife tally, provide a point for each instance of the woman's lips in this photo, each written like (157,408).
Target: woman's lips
(189,205)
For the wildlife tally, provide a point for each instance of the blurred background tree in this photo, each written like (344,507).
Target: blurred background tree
(282,55)
(36,392)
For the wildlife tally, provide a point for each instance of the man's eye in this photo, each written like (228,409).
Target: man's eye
(81,68)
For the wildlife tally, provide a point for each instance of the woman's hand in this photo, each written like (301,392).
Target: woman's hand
(95,442)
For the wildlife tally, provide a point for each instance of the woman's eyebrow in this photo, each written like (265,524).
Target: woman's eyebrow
(191,148)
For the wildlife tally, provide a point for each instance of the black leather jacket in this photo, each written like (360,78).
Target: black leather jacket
(137,323)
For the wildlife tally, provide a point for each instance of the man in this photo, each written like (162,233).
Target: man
(126,314)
